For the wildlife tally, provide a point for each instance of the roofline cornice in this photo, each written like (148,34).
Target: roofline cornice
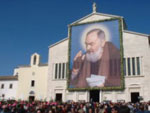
(132,32)
(58,42)
(94,14)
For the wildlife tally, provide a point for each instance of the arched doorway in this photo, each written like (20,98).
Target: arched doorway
(31,96)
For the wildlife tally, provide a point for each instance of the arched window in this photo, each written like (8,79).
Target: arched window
(31,93)
(34,60)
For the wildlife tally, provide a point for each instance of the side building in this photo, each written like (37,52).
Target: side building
(32,80)
(8,87)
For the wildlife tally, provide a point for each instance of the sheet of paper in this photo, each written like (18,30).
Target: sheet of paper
(95,80)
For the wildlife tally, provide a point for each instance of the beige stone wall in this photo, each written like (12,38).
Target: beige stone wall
(26,75)
(135,45)
(57,54)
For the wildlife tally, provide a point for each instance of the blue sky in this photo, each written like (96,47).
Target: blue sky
(28,26)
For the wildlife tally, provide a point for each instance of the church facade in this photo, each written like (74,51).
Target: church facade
(136,53)
(49,81)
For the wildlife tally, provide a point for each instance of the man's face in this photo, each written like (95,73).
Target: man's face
(93,47)
(93,42)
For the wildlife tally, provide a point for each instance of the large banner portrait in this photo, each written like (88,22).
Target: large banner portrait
(95,55)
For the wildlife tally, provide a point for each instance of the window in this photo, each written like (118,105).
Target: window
(34,60)
(138,65)
(10,86)
(31,93)
(3,95)
(32,83)
(132,66)
(129,71)
(56,66)
(2,86)
(60,70)
(63,70)
(124,65)
(66,68)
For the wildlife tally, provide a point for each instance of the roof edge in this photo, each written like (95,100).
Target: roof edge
(58,42)
(142,34)
(94,14)
(28,66)
(9,77)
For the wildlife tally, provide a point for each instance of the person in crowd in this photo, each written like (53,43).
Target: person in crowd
(74,107)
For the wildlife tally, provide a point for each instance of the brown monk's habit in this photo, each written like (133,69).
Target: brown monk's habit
(109,66)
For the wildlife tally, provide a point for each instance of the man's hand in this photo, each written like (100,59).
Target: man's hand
(78,60)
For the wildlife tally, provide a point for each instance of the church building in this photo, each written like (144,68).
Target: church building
(39,81)
(136,54)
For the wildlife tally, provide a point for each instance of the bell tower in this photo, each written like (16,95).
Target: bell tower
(35,59)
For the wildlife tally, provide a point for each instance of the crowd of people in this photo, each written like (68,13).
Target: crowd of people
(72,107)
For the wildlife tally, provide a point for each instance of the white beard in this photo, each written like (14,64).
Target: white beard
(94,56)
